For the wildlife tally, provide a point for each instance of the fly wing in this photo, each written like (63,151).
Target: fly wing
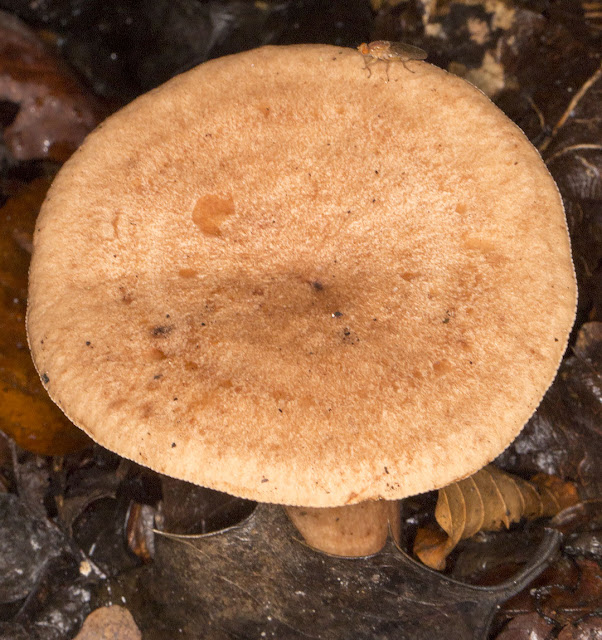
(403,51)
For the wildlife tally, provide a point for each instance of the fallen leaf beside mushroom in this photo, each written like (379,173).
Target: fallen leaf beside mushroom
(488,501)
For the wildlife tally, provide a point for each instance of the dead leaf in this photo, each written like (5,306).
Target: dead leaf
(527,626)
(26,412)
(140,521)
(488,501)
(567,592)
(588,629)
(257,578)
(54,113)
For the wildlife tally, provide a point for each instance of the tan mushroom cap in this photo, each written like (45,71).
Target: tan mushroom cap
(281,278)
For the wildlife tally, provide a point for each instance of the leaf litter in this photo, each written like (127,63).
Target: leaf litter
(544,71)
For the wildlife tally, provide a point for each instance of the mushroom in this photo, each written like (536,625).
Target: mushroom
(279,277)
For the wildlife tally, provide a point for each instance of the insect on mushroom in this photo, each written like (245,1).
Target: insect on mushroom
(388,52)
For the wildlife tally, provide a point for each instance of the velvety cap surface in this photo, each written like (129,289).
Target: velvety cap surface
(283,278)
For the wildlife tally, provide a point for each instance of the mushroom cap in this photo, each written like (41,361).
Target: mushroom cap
(284,278)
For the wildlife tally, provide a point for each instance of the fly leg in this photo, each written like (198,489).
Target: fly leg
(404,63)
(367,64)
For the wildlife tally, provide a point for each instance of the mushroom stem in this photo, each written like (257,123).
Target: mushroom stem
(354,530)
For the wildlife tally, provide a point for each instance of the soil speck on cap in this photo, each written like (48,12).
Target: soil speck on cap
(45,378)
(210,212)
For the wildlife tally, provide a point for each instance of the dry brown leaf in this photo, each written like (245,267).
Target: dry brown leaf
(488,501)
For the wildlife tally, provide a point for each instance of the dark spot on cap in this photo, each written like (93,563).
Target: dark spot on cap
(264,480)
(157,376)
(317,285)
(337,314)
(45,378)
(88,343)
(386,471)
(162,330)
(173,444)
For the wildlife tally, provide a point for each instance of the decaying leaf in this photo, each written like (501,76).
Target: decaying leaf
(565,593)
(53,112)
(258,579)
(139,530)
(487,501)
(26,412)
(526,626)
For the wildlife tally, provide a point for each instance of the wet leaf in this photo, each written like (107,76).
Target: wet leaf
(54,112)
(588,629)
(564,437)
(100,532)
(188,509)
(26,412)
(259,577)
(59,602)
(26,543)
(527,626)
(582,528)
(568,591)
(487,501)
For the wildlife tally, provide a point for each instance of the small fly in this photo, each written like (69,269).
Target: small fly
(388,52)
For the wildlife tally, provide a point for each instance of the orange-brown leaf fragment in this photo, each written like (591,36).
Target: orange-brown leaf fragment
(488,501)
(26,412)
(432,546)
(556,494)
